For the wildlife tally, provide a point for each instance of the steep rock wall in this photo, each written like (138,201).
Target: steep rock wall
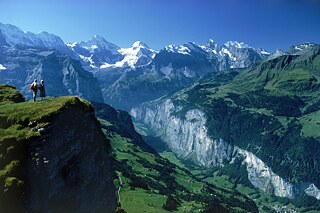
(70,167)
(185,136)
(188,134)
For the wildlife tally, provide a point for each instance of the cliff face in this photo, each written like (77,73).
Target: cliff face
(185,136)
(58,158)
(69,167)
(188,135)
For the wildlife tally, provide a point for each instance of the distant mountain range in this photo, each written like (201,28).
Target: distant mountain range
(116,68)
(122,77)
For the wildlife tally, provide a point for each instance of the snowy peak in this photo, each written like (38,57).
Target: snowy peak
(232,54)
(185,49)
(15,36)
(50,40)
(99,42)
(211,44)
(300,48)
(139,44)
(181,49)
(303,46)
(137,55)
(293,50)
(236,44)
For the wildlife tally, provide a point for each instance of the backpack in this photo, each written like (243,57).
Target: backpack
(40,87)
(32,86)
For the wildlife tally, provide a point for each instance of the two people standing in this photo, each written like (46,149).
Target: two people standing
(35,86)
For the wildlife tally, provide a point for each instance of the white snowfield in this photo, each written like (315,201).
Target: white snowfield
(2,67)
(132,55)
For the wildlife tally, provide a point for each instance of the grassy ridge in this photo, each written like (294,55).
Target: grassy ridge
(21,123)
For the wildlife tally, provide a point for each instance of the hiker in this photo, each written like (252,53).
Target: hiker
(42,90)
(34,88)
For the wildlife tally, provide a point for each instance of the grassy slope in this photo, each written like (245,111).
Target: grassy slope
(273,106)
(269,102)
(19,123)
(148,179)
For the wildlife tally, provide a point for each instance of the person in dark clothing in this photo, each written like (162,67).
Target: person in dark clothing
(42,90)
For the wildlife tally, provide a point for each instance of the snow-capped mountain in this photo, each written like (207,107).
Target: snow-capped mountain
(232,54)
(174,67)
(96,51)
(127,74)
(101,54)
(300,48)
(14,36)
(293,50)
(137,55)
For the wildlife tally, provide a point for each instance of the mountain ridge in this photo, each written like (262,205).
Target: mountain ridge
(269,110)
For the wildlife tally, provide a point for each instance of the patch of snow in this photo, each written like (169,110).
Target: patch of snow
(99,42)
(182,49)
(265,52)
(306,45)
(72,44)
(132,55)
(91,62)
(88,59)
(236,44)
(15,36)
(105,65)
(2,67)
(226,51)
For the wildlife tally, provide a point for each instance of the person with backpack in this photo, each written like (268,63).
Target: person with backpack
(42,90)
(34,88)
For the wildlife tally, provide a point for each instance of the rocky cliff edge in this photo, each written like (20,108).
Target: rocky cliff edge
(53,156)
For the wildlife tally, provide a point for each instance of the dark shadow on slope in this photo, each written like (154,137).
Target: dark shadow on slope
(157,143)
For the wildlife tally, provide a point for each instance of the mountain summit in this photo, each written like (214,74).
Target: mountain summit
(137,55)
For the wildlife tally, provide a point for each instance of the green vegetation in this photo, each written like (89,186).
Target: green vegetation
(311,124)
(9,94)
(230,179)
(21,123)
(271,109)
(151,183)
(273,106)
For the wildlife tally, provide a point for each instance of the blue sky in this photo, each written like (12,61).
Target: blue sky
(268,24)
